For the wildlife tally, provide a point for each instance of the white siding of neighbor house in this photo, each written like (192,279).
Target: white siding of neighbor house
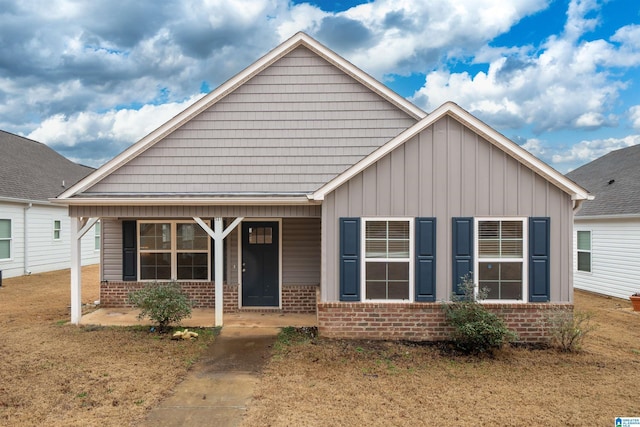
(44,253)
(615,257)
(291,128)
(449,171)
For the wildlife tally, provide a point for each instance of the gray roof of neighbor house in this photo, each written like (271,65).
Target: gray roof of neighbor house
(30,170)
(614,180)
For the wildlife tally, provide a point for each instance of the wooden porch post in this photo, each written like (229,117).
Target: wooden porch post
(218,234)
(79,227)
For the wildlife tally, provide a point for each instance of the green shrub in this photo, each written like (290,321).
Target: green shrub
(568,329)
(164,303)
(476,330)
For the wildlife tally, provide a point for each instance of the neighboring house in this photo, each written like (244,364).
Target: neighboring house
(34,233)
(324,191)
(607,230)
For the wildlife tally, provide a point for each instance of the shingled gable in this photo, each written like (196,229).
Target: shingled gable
(341,156)
(453,110)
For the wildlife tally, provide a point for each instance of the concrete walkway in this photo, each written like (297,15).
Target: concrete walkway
(220,386)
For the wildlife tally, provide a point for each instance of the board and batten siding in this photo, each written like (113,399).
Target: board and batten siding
(449,171)
(615,251)
(290,128)
(111,257)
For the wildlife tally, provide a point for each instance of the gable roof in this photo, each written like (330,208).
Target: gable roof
(614,179)
(31,171)
(298,40)
(453,110)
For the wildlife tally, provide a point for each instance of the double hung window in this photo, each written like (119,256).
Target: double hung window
(501,267)
(57,228)
(387,262)
(173,250)
(5,239)
(584,251)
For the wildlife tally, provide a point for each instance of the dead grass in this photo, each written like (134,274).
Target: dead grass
(349,383)
(61,375)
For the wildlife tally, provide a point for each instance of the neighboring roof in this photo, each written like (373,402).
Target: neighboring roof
(200,106)
(32,171)
(453,110)
(614,180)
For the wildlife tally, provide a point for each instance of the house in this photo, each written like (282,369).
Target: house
(607,230)
(35,233)
(302,184)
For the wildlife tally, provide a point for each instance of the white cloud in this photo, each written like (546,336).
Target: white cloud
(634,115)
(564,84)
(586,151)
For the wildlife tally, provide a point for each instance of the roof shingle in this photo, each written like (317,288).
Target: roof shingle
(31,170)
(614,180)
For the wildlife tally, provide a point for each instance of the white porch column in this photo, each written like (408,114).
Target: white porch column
(79,227)
(218,235)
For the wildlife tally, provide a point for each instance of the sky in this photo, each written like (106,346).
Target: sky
(559,77)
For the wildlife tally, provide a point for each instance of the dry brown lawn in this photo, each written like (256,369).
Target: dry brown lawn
(56,374)
(346,383)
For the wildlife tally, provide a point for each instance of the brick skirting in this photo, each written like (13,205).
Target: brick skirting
(422,321)
(295,298)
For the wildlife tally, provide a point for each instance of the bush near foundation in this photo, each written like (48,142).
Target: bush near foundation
(163,302)
(476,330)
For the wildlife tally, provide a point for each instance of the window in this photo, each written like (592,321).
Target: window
(501,254)
(57,227)
(584,251)
(5,239)
(96,236)
(173,250)
(387,262)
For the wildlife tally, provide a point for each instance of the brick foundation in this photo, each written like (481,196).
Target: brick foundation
(422,321)
(295,298)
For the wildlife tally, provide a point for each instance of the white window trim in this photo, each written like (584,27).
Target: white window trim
(174,251)
(363,259)
(97,234)
(10,239)
(590,251)
(524,259)
(59,230)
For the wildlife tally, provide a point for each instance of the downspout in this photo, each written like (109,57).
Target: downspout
(26,240)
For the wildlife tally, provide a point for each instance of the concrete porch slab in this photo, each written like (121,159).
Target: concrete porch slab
(201,318)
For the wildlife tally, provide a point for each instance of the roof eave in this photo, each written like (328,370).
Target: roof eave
(187,200)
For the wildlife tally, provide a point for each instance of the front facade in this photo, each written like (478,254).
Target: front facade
(35,233)
(607,230)
(303,185)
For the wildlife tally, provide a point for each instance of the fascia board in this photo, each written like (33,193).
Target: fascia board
(467,119)
(229,86)
(190,201)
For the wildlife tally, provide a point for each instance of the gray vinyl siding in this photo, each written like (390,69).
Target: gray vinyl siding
(449,171)
(111,249)
(301,251)
(185,211)
(291,128)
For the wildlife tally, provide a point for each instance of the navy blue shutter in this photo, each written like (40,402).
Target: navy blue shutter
(349,259)
(539,259)
(129,251)
(462,252)
(425,289)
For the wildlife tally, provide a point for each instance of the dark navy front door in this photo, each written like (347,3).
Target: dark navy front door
(260,264)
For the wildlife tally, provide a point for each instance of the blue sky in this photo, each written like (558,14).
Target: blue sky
(559,77)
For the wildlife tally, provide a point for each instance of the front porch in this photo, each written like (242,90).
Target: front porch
(203,317)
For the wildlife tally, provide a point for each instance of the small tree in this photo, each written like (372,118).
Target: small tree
(164,303)
(476,330)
